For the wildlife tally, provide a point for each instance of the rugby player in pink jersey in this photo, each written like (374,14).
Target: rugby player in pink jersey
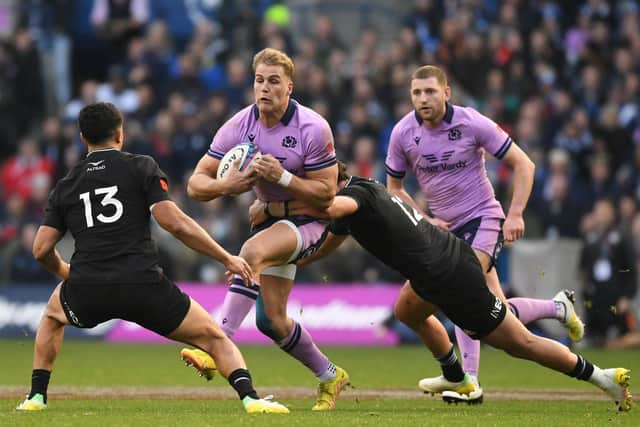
(298,161)
(444,146)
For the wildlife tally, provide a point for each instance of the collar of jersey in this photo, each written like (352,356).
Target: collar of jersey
(448,115)
(100,151)
(286,117)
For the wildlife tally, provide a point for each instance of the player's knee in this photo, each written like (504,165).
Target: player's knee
(403,314)
(252,254)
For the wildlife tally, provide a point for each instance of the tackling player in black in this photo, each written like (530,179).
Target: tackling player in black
(443,273)
(105,202)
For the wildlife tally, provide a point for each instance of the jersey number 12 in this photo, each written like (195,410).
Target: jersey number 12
(108,199)
(414,216)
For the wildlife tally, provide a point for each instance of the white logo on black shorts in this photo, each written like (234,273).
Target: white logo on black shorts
(497,308)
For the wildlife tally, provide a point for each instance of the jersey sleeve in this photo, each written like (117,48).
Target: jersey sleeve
(155,184)
(223,140)
(490,135)
(396,162)
(53,216)
(321,152)
(339,227)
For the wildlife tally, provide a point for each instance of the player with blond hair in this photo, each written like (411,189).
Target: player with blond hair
(298,161)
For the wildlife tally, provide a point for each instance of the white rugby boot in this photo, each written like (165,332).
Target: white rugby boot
(441,384)
(474,397)
(571,321)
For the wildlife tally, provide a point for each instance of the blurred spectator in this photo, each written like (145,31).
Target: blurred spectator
(13,214)
(49,23)
(608,267)
(117,91)
(326,39)
(88,95)
(54,143)
(29,86)
(21,266)
(562,77)
(18,173)
(118,21)
(8,97)
(559,201)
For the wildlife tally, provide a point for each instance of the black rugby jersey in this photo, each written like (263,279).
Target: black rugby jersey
(104,202)
(396,234)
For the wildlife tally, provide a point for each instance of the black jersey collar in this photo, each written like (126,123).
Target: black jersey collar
(100,151)
(448,114)
(286,117)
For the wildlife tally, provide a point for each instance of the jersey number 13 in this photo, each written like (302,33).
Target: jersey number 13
(108,199)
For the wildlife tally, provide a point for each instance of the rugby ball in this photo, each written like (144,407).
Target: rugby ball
(247,152)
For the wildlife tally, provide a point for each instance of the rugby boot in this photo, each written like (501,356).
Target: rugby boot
(36,403)
(201,361)
(474,397)
(616,385)
(571,321)
(441,384)
(328,391)
(264,406)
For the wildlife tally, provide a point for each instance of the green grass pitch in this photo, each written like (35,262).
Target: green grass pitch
(147,385)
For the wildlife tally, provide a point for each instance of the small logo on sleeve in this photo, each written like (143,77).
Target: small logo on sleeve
(163,184)
(251,137)
(416,139)
(329,148)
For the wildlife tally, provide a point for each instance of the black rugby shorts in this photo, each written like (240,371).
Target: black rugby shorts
(464,297)
(159,307)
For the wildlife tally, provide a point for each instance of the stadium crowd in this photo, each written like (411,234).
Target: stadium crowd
(562,78)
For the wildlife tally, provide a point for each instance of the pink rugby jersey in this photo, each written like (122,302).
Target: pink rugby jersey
(448,162)
(302,142)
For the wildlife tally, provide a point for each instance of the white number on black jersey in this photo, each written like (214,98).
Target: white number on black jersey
(414,216)
(108,199)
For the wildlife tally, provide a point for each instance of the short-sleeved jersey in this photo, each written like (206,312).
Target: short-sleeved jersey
(302,142)
(104,202)
(448,162)
(396,234)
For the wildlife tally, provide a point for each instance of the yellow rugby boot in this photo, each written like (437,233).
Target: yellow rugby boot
(200,360)
(36,403)
(264,406)
(329,391)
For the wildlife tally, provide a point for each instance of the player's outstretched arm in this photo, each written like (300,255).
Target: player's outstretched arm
(44,250)
(204,186)
(341,206)
(184,228)
(317,189)
(395,186)
(523,171)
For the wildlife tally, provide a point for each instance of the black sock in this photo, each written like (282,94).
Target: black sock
(583,369)
(240,380)
(451,368)
(40,383)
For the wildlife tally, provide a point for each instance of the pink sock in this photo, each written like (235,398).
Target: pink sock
(299,344)
(238,301)
(529,309)
(470,351)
